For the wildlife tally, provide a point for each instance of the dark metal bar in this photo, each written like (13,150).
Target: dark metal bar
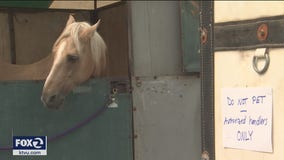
(207,79)
(241,35)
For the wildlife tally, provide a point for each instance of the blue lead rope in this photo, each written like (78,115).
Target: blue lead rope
(70,130)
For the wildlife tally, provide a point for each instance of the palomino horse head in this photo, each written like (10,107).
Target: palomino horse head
(79,53)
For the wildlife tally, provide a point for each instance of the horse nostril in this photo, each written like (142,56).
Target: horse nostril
(52,98)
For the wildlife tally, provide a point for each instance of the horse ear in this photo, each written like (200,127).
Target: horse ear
(70,20)
(89,32)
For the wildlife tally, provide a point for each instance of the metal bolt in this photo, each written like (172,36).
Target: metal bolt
(262,32)
(203,35)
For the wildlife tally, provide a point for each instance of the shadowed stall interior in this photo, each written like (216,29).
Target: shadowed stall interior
(25,48)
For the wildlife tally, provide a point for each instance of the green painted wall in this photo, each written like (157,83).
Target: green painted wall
(190,35)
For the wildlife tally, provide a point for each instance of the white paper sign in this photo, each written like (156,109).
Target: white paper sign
(247,118)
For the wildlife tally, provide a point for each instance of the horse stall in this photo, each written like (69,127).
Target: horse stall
(146,105)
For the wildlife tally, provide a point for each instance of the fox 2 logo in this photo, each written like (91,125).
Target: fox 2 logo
(29,142)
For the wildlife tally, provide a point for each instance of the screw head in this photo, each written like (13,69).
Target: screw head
(262,32)
(203,36)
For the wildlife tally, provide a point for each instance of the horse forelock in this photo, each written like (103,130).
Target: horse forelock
(73,31)
(97,44)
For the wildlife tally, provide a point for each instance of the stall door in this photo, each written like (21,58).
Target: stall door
(106,137)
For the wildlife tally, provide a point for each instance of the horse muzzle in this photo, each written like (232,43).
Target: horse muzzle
(54,101)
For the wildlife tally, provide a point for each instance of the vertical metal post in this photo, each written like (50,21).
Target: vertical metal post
(207,78)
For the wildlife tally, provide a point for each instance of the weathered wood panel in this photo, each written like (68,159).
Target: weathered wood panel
(114,30)
(36,71)
(83,4)
(105,3)
(35,33)
(5,38)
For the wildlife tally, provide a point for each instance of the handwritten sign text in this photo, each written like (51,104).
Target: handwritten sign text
(247,118)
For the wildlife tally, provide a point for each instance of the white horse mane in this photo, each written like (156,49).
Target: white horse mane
(97,44)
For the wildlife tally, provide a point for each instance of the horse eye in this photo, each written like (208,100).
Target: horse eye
(72,57)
